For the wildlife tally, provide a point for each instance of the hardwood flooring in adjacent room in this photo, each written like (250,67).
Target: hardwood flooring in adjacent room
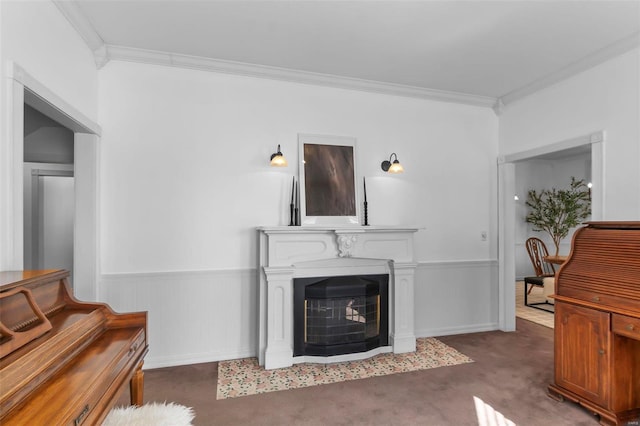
(532,314)
(511,373)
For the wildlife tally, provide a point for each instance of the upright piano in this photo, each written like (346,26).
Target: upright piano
(597,322)
(62,361)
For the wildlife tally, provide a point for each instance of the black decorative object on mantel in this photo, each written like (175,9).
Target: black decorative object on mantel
(292,222)
(297,209)
(366,205)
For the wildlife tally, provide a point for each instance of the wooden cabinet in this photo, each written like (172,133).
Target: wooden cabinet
(597,322)
(582,351)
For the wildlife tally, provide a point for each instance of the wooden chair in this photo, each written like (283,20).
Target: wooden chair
(537,251)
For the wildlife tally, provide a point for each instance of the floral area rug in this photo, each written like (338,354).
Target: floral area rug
(242,377)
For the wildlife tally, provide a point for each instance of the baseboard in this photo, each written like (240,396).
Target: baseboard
(446,331)
(186,359)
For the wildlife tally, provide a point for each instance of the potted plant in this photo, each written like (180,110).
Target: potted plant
(556,211)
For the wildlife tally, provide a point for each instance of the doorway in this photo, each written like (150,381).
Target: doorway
(508,208)
(49,194)
(552,170)
(24,89)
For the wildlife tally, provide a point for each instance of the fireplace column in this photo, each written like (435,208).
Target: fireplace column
(402,335)
(279,350)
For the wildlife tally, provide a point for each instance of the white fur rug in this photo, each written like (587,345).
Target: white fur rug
(152,414)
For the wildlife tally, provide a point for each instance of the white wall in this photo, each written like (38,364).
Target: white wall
(605,97)
(36,37)
(185,181)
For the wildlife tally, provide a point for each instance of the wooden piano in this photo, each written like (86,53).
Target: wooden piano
(597,322)
(64,362)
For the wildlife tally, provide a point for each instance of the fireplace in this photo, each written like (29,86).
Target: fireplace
(340,315)
(358,283)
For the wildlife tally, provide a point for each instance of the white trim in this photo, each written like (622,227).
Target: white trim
(86,247)
(130,54)
(449,331)
(451,264)
(174,274)
(554,147)
(335,141)
(44,100)
(37,245)
(615,49)
(11,243)
(498,107)
(469,263)
(23,88)
(82,25)
(506,212)
(506,249)
(597,179)
(151,362)
(104,52)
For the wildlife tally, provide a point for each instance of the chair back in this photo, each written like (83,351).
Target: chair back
(537,251)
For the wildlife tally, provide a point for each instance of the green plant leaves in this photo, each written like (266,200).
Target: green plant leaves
(556,211)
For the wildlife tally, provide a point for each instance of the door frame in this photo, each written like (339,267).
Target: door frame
(23,88)
(34,186)
(506,212)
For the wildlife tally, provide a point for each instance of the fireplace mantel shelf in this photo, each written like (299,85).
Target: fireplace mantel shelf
(337,229)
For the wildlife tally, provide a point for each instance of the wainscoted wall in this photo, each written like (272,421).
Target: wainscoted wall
(455,297)
(202,316)
(193,316)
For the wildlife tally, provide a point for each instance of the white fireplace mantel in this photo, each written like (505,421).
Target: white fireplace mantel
(288,252)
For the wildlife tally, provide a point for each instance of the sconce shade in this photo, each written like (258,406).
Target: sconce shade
(396,167)
(277,159)
(392,167)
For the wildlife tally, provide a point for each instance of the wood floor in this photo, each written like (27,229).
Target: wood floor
(532,314)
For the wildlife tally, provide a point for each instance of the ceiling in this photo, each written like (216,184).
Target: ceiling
(489,50)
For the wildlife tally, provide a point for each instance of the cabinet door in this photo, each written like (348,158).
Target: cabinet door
(582,351)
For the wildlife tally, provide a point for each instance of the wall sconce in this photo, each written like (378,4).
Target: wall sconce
(589,186)
(277,159)
(390,167)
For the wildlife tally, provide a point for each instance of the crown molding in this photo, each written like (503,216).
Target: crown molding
(615,49)
(103,53)
(79,21)
(121,53)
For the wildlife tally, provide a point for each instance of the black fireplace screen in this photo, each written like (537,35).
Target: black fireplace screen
(341,320)
(340,315)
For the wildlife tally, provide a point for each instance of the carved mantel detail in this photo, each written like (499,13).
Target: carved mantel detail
(346,243)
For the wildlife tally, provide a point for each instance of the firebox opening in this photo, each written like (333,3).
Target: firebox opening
(340,315)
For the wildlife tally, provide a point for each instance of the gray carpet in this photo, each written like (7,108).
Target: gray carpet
(511,372)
